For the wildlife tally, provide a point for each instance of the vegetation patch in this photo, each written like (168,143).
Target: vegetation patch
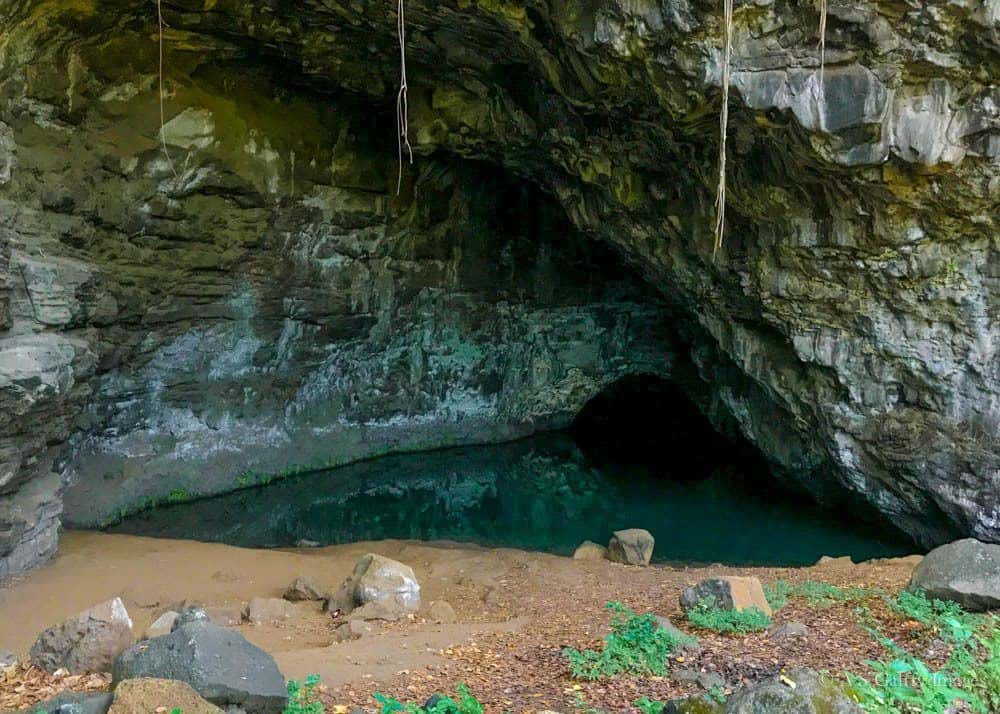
(465,704)
(815,592)
(708,617)
(637,645)
(303,697)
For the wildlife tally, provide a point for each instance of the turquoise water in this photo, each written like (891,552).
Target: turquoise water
(541,493)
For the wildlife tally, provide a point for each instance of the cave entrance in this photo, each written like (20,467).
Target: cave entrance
(640,455)
(645,420)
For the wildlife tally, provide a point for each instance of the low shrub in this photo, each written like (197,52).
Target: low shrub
(465,704)
(706,616)
(637,645)
(302,697)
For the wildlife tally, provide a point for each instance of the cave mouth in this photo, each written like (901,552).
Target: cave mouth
(640,454)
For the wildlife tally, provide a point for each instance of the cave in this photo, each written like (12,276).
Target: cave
(216,271)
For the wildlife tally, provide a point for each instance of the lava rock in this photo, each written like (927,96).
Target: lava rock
(143,696)
(589,550)
(76,703)
(966,571)
(303,589)
(88,642)
(727,593)
(633,546)
(263,610)
(812,694)
(162,625)
(789,629)
(220,664)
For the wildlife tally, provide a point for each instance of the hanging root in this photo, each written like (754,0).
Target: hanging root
(720,196)
(402,106)
(163,136)
(822,39)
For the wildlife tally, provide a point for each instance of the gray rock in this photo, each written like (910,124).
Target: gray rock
(813,694)
(633,546)
(303,589)
(162,625)
(384,582)
(191,614)
(693,705)
(88,642)
(263,610)
(705,680)
(727,593)
(219,663)
(685,641)
(966,571)
(789,629)
(76,703)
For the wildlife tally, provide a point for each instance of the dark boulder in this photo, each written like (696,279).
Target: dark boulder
(219,663)
(966,571)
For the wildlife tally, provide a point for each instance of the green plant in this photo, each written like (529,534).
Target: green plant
(709,617)
(716,694)
(905,684)
(466,704)
(178,495)
(176,710)
(817,593)
(302,697)
(637,645)
(649,706)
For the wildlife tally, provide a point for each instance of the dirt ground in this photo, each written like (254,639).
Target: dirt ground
(515,613)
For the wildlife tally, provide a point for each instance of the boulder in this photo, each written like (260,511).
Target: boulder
(219,663)
(812,694)
(263,610)
(441,611)
(303,589)
(966,571)
(162,625)
(789,629)
(144,696)
(380,581)
(727,593)
(633,546)
(693,705)
(88,642)
(75,703)
(589,550)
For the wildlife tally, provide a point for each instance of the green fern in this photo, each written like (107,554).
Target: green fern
(302,697)
(637,645)
(706,616)
(466,704)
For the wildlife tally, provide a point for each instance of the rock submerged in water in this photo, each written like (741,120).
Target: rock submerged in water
(218,663)
(727,593)
(145,696)
(966,571)
(633,546)
(88,642)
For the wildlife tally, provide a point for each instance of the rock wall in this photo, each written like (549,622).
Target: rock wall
(253,297)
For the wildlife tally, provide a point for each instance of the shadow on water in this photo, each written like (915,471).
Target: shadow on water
(541,493)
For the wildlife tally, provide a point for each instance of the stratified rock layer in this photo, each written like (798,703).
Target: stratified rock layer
(256,297)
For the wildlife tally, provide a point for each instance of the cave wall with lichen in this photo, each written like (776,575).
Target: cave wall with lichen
(264,301)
